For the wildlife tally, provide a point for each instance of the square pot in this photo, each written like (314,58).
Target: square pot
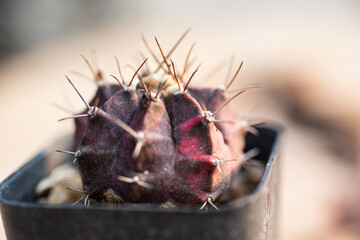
(250,217)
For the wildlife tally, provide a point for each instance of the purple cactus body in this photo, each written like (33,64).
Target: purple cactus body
(103,93)
(159,144)
(178,153)
(99,143)
(153,163)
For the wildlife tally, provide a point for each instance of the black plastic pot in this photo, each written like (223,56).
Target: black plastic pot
(250,217)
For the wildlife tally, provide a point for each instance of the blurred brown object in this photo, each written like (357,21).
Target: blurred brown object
(306,107)
(349,210)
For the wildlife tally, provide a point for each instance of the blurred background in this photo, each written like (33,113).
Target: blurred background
(305,53)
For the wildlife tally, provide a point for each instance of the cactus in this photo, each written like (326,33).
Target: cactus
(156,139)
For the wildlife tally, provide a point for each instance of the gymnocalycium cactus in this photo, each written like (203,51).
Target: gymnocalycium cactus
(156,138)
